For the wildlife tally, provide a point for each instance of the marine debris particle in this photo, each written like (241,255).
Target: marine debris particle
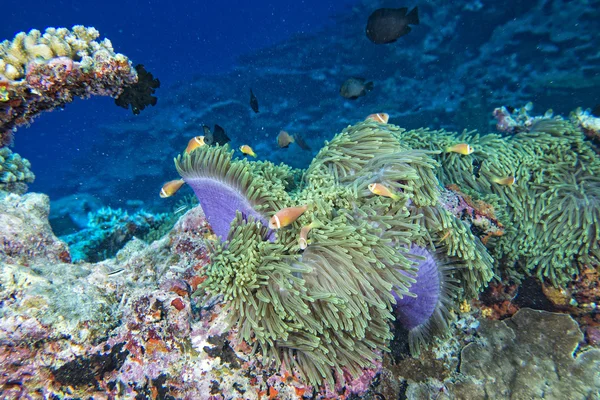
(386,25)
(353,88)
(140,94)
(253,102)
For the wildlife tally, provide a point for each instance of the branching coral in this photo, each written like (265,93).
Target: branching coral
(326,311)
(40,72)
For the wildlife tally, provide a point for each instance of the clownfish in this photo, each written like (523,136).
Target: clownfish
(379,117)
(461,148)
(381,190)
(247,150)
(506,181)
(171,187)
(286,216)
(194,143)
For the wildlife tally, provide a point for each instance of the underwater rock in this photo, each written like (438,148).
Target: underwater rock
(26,237)
(532,355)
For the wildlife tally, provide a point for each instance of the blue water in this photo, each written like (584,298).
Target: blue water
(451,71)
(175,40)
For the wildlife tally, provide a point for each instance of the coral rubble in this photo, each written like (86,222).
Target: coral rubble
(43,71)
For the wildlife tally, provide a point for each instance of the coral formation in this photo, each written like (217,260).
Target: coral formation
(108,230)
(325,311)
(15,172)
(532,355)
(40,72)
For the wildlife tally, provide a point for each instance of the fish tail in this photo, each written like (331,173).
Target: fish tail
(412,17)
(369,86)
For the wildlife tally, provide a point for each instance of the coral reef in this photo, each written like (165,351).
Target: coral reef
(41,72)
(589,124)
(126,327)
(534,354)
(15,172)
(325,311)
(108,231)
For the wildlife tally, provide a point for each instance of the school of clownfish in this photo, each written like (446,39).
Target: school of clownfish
(289,215)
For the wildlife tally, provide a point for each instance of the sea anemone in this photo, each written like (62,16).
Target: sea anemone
(326,311)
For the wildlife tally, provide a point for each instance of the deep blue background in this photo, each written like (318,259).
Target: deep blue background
(175,40)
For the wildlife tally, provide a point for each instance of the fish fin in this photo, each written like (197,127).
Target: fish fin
(413,16)
(369,86)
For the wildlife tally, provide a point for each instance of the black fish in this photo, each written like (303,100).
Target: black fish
(217,136)
(354,88)
(253,102)
(386,25)
(300,142)
(139,94)
(477,167)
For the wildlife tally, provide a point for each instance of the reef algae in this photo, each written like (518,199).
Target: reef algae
(326,311)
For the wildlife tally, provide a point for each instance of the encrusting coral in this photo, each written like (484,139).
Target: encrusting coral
(15,172)
(325,311)
(42,71)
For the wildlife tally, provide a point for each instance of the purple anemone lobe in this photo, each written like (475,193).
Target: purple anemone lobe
(220,202)
(415,311)
(427,313)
